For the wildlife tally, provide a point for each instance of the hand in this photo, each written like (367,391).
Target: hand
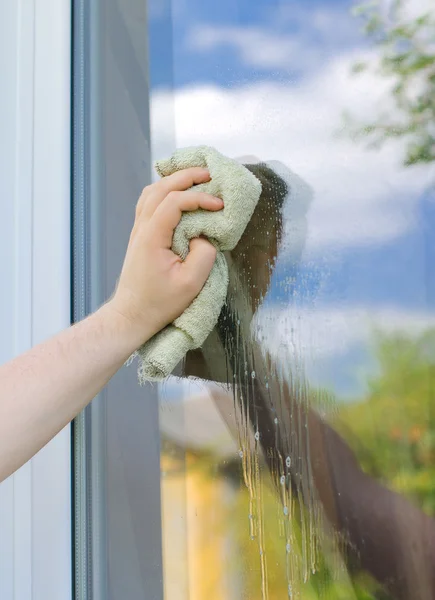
(155,285)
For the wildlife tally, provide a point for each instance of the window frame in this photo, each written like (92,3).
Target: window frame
(116,440)
(35,502)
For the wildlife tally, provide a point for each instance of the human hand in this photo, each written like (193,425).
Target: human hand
(155,285)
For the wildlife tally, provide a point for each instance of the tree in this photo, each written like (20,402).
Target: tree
(406,44)
(392,430)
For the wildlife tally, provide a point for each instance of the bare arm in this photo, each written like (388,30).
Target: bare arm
(43,389)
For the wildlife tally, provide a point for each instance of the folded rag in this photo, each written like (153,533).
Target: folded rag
(240,190)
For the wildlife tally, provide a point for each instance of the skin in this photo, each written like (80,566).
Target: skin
(45,388)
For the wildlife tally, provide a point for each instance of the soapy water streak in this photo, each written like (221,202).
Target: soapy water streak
(290,470)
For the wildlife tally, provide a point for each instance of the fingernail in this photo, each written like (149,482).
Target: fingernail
(219,200)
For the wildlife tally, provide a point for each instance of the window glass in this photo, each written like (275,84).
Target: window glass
(298,446)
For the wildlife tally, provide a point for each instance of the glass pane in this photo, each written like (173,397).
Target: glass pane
(298,446)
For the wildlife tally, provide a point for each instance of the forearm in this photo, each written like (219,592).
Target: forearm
(42,390)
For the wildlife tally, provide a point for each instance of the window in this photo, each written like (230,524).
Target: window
(293,455)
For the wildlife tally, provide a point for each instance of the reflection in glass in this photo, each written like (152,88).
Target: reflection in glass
(298,446)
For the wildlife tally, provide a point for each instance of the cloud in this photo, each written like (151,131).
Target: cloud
(333,346)
(255,47)
(362,197)
(313,334)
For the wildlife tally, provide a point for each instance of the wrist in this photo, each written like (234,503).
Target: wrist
(129,334)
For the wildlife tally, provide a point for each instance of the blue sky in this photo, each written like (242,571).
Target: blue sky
(370,249)
(175,62)
(399,272)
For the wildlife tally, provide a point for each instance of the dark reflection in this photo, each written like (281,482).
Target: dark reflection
(273,413)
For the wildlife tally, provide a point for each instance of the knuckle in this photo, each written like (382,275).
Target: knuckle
(188,200)
(139,207)
(142,199)
(184,177)
(173,196)
(163,185)
(175,179)
(183,174)
(206,197)
(186,203)
(146,190)
(193,171)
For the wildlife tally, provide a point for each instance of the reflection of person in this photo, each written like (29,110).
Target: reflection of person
(43,389)
(383,533)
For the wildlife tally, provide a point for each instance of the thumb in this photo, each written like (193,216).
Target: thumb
(199,262)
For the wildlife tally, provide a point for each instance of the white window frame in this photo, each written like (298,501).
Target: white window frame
(35,115)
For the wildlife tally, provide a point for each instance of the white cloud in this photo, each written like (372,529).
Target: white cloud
(332,346)
(255,46)
(318,333)
(361,196)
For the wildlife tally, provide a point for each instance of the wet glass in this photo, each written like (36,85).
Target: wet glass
(298,445)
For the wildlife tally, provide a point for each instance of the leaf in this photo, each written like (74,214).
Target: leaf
(359,67)
(406,54)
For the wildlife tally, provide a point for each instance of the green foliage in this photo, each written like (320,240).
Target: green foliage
(392,433)
(393,429)
(406,46)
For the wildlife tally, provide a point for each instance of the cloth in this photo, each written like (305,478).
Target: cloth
(240,190)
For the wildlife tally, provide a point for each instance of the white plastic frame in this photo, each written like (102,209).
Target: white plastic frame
(35,75)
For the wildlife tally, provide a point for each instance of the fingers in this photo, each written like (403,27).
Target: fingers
(198,263)
(168,214)
(154,194)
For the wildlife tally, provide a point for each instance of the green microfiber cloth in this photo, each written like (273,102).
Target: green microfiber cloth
(240,190)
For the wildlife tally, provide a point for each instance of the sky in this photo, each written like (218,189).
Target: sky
(272,78)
